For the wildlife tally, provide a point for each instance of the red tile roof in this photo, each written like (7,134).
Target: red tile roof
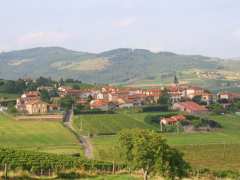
(192,106)
(98,103)
(174,119)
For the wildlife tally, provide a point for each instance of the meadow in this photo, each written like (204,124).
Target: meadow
(102,124)
(216,150)
(46,136)
(8,96)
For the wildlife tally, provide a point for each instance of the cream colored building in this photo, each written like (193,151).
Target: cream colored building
(36,107)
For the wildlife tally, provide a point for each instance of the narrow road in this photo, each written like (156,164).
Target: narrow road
(84,140)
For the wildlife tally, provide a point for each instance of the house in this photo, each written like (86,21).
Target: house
(175,92)
(31,95)
(102,105)
(3,108)
(53,107)
(194,91)
(36,107)
(227,97)
(25,98)
(64,91)
(154,94)
(207,98)
(101,95)
(125,105)
(189,107)
(172,120)
(121,103)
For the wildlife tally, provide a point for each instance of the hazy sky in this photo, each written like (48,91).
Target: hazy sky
(208,27)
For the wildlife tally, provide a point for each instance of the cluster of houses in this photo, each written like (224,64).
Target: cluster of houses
(110,98)
(31,103)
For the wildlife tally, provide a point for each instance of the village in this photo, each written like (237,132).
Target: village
(175,97)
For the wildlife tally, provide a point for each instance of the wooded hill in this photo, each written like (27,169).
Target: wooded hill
(118,65)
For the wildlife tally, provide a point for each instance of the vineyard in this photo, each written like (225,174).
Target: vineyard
(38,163)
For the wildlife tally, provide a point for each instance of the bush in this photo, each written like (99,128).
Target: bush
(155,108)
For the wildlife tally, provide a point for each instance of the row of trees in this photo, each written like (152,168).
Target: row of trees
(21,85)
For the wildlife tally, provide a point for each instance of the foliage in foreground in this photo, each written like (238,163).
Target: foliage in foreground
(147,150)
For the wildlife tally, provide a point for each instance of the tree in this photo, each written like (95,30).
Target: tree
(20,86)
(234,107)
(66,102)
(11,108)
(45,96)
(147,150)
(217,108)
(90,98)
(42,81)
(9,87)
(75,86)
(197,99)
(164,99)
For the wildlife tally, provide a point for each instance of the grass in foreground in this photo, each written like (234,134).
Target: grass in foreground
(48,136)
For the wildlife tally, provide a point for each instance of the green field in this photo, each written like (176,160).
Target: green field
(112,123)
(48,136)
(8,96)
(218,150)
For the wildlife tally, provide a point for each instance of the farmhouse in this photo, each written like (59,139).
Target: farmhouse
(172,120)
(189,107)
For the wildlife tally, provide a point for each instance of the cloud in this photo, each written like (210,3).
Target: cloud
(123,23)
(43,38)
(236,34)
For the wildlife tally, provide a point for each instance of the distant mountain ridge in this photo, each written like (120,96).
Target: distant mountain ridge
(117,65)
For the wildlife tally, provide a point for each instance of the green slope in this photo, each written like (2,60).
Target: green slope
(50,136)
(119,65)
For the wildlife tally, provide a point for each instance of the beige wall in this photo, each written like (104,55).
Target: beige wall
(38,108)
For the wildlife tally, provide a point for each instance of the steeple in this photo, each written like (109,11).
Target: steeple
(176,80)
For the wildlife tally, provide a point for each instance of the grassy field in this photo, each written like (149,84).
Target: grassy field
(48,136)
(218,150)
(112,123)
(8,96)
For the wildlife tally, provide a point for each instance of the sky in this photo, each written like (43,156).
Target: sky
(207,27)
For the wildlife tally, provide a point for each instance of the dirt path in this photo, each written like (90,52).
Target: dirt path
(84,140)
